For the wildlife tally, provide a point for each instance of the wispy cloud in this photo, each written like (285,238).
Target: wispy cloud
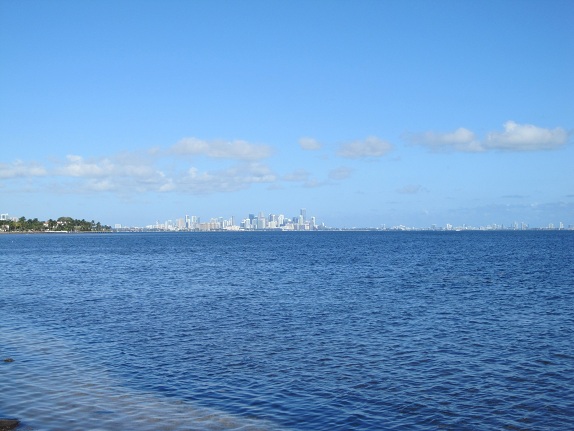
(137,172)
(304,178)
(514,197)
(114,173)
(411,189)
(371,147)
(78,166)
(515,137)
(299,175)
(237,150)
(340,173)
(309,144)
(21,169)
(460,140)
(227,180)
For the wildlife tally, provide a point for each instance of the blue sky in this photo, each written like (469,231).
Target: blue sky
(366,113)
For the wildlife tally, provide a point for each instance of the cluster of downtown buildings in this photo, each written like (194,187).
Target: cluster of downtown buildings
(253,222)
(261,222)
(301,222)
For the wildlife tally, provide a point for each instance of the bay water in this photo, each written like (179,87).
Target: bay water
(288,330)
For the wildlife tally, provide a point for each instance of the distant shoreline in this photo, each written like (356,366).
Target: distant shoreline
(34,232)
(257,231)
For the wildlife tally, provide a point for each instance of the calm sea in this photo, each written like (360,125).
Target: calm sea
(288,331)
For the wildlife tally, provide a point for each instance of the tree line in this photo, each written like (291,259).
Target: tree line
(63,224)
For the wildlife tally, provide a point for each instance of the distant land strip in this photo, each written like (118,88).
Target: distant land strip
(62,224)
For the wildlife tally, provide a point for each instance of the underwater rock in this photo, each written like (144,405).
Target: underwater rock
(8,424)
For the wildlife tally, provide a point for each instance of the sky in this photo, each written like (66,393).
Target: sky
(366,113)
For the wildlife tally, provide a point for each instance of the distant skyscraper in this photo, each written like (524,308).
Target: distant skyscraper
(304,214)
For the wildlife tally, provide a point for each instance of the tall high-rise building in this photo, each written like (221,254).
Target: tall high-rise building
(193,222)
(303,214)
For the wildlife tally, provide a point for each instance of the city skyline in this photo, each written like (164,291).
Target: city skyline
(372,113)
(279,221)
(261,221)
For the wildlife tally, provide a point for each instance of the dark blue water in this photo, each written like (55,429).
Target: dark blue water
(302,331)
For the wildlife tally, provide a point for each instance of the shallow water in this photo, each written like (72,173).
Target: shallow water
(299,331)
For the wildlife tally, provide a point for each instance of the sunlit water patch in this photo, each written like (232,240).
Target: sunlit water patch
(51,385)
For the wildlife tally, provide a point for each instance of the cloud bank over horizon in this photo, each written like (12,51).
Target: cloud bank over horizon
(178,167)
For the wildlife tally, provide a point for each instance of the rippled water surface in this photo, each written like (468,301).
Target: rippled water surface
(288,331)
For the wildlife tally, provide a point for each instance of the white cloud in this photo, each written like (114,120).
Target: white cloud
(309,144)
(515,137)
(460,140)
(340,173)
(227,180)
(139,173)
(21,169)
(98,185)
(123,173)
(76,166)
(370,147)
(526,137)
(305,179)
(112,172)
(313,183)
(299,175)
(238,150)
